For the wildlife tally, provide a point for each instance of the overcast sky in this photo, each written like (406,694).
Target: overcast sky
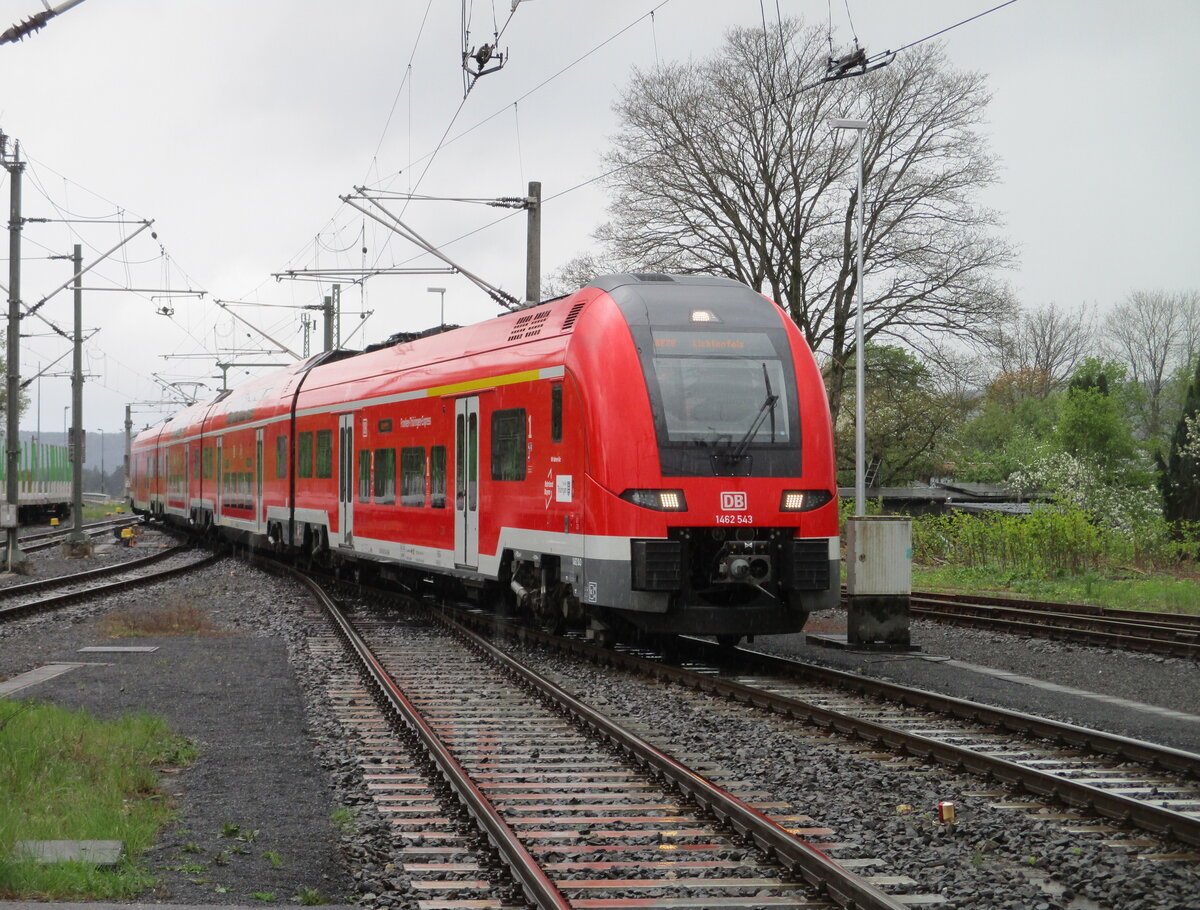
(236,125)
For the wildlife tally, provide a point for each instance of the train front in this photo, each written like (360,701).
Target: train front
(714,501)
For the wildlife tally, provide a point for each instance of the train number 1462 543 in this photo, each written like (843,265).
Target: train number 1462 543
(735,519)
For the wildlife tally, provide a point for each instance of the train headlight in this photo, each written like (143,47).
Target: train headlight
(803,500)
(659,500)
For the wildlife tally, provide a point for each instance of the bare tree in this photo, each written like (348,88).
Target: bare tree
(577,273)
(1048,343)
(1155,333)
(730,167)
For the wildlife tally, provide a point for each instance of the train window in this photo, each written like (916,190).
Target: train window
(304,455)
(324,453)
(460,475)
(508,444)
(364,476)
(385,476)
(208,463)
(472,462)
(281,456)
(412,476)
(437,477)
(556,412)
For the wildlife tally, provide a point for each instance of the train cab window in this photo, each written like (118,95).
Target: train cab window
(281,456)
(412,476)
(437,477)
(364,476)
(508,444)
(304,455)
(556,412)
(324,453)
(385,476)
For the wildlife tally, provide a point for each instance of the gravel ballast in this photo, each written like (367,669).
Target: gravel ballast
(948,657)
(996,858)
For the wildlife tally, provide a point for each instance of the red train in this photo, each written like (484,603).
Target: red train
(649,453)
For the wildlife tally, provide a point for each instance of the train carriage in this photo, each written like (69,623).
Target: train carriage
(651,452)
(43,479)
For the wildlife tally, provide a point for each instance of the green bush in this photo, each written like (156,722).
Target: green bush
(1051,542)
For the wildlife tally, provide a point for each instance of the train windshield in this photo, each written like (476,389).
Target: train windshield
(724,401)
(721,387)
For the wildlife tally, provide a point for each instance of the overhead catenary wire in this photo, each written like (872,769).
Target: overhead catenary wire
(406,80)
(948,28)
(549,79)
(446,140)
(614,170)
(70,216)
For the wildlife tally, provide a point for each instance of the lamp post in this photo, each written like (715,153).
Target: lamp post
(860,480)
(442,308)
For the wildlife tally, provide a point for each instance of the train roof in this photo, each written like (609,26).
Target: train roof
(636,294)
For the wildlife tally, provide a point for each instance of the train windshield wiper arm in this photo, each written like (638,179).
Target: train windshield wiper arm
(767,407)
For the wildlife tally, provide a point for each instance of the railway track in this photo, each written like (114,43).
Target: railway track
(1173,634)
(1154,788)
(582,812)
(45,540)
(18,601)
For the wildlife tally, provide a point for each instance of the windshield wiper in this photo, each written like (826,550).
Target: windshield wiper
(767,407)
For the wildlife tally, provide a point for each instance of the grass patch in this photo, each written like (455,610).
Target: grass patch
(177,616)
(65,775)
(1128,590)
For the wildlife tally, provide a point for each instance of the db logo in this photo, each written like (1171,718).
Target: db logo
(733,502)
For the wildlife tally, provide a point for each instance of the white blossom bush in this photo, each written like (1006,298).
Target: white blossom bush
(1191,444)
(1071,481)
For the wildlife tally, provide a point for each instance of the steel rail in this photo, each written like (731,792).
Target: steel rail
(16,611)
(1181,620)
(1144,815)
(825,874)
(46,541)
(533,880)
(43,584)
(56,532)
(1058,732)
(1078,614)
(1173,641)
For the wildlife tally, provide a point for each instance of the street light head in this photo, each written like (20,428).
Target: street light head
(844,124)
(436,290)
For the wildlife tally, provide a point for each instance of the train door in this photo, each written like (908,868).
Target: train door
(346,480)
(259,524)
(466,482)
